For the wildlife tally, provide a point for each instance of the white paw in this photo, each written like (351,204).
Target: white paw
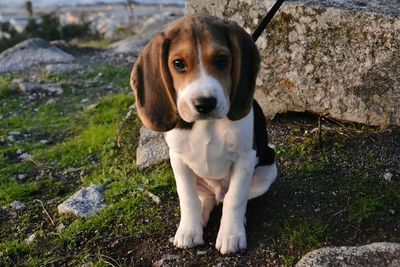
(188,236)
(231,239)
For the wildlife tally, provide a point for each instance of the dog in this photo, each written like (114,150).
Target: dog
(195,82)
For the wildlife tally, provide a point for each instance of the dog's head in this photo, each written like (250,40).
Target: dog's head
(200,67)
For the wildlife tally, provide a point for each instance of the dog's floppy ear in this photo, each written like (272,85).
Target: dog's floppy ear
(152,83)
(245,66)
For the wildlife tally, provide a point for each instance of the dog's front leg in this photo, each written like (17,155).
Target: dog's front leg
(190,230)
(232,234)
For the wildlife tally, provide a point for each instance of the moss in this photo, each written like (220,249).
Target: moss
(303,234)
(5,86)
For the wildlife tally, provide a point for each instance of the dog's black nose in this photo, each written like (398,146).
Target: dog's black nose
(205,105)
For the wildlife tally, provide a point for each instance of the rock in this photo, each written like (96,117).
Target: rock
(166,260)
(29,53)
(86,202)
(153,25)
(28,87)
(336,58)
(63,68)
(152,149)
(388,177)
(21,177)
(372,255)
(44,142)
(31,238)
(17,205)
(11,138)
(131,45)
(60,227)
(201,252)
(24,156)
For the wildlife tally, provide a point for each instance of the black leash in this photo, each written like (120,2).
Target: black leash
(264,23)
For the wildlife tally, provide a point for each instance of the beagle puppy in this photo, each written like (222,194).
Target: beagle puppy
(195,81)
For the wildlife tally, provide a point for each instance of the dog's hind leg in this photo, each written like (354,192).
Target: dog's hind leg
(263,177)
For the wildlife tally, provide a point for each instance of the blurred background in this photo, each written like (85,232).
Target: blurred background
(79,20)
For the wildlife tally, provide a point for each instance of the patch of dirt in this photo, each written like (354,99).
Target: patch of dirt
(324,196)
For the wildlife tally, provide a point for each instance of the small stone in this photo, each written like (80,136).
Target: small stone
(388,177)
(86,202)
(92,106)
(24,156)
(31,238)
(11,138)
(201,252)
(60,227)
(21,177)
(31,88)
(166,260)
(17,205)
(392,211)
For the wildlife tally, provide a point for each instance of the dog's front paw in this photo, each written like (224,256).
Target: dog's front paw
(231,238)
(188,235)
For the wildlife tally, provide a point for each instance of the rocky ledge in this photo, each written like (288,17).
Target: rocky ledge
(336,58)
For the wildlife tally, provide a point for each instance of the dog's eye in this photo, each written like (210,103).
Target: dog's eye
(221,62)
(180,65)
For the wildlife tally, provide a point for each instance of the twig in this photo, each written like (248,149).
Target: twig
(45,211)
(103,257)
(37,163)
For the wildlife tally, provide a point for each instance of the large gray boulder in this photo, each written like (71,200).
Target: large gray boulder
(372,255)
(336,58)
(32,52)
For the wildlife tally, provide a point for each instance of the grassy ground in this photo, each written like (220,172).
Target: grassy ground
(333,186)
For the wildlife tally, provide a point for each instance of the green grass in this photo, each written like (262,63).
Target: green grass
(374,205)
(117,76)
(5,86)
(97,145)
(303,235)
(86,146)
(97,43)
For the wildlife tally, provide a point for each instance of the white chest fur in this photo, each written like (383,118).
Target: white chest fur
(211,146)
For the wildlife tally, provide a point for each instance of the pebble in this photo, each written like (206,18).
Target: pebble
(21,177)
(388,177)
(31,238)
(24,156)
(165,260)
(17,205)
(60,227)
(201,252)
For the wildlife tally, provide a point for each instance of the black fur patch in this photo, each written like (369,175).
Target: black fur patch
(265,154)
